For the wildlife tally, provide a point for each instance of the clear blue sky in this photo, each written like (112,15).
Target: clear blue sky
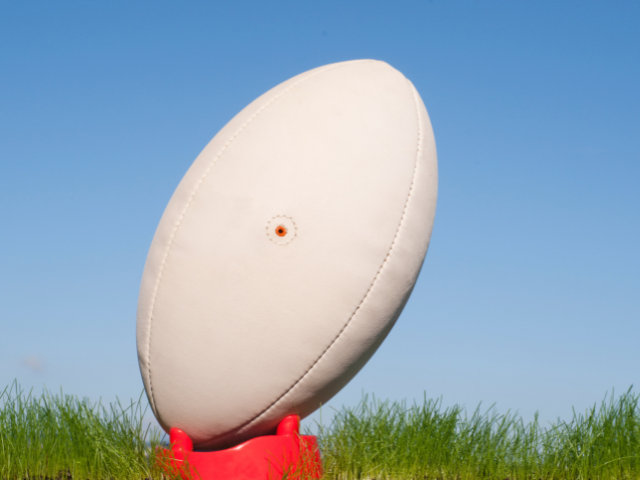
(530,295)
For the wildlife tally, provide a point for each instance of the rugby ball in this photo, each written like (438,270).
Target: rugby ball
(287,252)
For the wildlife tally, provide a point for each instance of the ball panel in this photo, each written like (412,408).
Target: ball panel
(176,208)
(382,307)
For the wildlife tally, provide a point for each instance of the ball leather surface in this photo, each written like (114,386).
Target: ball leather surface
(240,325)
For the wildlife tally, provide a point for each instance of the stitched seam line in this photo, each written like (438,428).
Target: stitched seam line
(393,243)
(186,208)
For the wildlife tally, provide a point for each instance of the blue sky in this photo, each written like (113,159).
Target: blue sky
(529,297)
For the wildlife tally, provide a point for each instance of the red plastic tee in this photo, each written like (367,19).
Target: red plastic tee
(270,457)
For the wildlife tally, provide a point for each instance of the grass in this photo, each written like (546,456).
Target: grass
(385,440)
(60,436)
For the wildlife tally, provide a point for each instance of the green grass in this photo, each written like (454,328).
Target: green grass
(60,436)
(385,440)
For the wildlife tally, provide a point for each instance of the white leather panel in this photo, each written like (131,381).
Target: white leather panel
(239,326)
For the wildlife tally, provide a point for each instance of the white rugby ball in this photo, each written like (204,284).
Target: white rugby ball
(287,252)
